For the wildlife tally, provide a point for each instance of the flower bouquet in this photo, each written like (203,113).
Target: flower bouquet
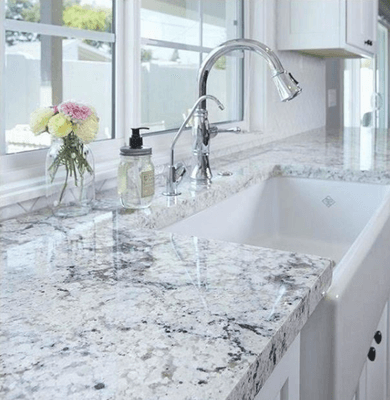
(72,125)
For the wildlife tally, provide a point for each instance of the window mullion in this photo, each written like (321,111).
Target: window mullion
(174,45)
(51,52)
(132,65)
(200,30)
(119,75)
(56,30)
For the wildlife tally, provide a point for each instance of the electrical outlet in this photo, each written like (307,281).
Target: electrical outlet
(332,98)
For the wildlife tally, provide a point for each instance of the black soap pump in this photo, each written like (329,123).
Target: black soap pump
(136,173)
(136,140)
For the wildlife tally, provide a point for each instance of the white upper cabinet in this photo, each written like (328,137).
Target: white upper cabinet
(328,28)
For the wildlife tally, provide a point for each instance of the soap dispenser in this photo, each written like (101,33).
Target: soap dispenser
(136,173)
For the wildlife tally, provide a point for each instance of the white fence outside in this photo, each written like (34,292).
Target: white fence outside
(168,91)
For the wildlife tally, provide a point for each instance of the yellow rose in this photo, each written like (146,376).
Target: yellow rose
(59,125)
(39,119)
(87,130)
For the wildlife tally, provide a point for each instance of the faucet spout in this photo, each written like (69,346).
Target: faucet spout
(286,85)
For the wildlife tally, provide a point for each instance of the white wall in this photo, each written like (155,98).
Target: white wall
(22,87)
(305,112)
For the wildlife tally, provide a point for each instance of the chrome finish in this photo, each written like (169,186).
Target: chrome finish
(176,172)
(225,173)
(286,85)
(270,57)
(214,130)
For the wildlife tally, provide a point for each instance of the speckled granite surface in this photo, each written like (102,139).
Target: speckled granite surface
(107,307)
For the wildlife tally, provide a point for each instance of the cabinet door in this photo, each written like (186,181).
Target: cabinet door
(377,369)
(361,392)
(373,380)
(283,384)
(308,24)
(362,23)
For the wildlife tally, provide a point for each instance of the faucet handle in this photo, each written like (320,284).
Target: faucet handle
(180,171)
(214,130)
(174,177)
(236,129)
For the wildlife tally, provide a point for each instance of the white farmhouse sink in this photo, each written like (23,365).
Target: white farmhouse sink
(347,222)
(301,215)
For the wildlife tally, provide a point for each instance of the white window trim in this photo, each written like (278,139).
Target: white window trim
(22,174)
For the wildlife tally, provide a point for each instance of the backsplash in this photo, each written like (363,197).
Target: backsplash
(275,119)
(308,110)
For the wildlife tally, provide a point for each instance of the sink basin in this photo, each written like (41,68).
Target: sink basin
(294,214)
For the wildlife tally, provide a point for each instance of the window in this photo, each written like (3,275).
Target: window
(175,37)
(135,61)
(366,87)
(56,50)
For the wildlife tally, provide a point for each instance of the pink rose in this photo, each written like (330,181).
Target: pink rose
(75,111)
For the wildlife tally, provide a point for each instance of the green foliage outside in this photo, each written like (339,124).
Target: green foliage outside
(21,10)
(17,9)
(146,55)
(221,63)
(80,17)
(74,16)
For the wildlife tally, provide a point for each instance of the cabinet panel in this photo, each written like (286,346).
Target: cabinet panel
(361,23)
(307,24)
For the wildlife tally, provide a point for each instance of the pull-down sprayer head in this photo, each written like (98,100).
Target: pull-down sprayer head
(287,86)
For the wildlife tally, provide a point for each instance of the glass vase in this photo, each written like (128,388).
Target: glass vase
(70,177)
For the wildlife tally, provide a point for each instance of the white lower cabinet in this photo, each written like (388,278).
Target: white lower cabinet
(283,383)
(373,382)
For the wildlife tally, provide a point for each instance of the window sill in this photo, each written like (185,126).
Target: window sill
(32,188)
(28,194)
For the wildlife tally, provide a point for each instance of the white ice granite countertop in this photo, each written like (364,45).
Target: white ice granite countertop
(105,306)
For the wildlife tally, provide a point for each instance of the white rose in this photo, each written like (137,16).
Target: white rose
(39,119)
(87,130)
(59,125)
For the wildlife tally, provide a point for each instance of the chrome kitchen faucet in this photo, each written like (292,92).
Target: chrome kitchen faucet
(286,85)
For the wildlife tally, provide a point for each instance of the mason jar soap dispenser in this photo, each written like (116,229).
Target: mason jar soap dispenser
(136,173)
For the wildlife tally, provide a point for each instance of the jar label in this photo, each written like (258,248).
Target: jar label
(147,184)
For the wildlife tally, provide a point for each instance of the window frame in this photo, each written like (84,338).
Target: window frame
(163,139)
(22,174)
(352,87)
(202,51)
